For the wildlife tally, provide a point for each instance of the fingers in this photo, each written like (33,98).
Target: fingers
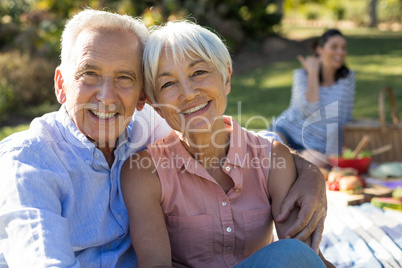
(301,59)
(310,63)
(287,206)
(317,235)
(304,226)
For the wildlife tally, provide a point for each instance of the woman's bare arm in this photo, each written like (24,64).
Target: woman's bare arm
(280,180)
(141,190)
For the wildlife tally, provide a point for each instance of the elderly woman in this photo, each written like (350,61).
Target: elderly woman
(207,194)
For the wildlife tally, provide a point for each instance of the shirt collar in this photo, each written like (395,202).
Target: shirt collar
(237,148)
(238,143)
(74,136)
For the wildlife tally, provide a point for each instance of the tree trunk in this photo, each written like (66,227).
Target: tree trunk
(279,6)
(373,13)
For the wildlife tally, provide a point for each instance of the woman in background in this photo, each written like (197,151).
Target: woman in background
(322,101)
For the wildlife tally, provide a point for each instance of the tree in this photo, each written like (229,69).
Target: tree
(373,13)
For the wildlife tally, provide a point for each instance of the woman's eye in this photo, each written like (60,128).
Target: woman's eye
(199,72)
(166,85)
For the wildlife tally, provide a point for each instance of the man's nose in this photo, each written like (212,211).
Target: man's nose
(106,92)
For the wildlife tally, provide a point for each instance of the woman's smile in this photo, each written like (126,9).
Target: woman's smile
(197,109)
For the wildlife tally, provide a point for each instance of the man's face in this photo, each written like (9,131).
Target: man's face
(102,84)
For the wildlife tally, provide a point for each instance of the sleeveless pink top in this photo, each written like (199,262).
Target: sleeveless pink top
(208,228)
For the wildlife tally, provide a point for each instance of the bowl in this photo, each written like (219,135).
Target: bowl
(360,164)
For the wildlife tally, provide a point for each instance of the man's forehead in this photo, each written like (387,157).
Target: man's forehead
(94,46)
(93,37)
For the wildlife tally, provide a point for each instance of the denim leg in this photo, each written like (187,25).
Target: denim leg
(282,254)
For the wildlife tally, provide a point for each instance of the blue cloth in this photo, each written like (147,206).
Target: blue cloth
(60,203)
(283,253)
(269,135)
(362,236)
(289,141)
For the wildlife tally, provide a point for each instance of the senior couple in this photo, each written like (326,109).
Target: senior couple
(63,203)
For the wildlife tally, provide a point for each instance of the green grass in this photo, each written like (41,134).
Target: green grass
(260,94)
(375,56)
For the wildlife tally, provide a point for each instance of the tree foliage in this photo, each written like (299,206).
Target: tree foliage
(30,33)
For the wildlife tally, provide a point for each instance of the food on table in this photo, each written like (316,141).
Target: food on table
(350,185)
(339,172)
(362,162)
(387,203)
(345,180)
(397,194)
(348,154)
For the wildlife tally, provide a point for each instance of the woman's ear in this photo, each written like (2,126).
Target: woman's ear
(59,86)
(227,84)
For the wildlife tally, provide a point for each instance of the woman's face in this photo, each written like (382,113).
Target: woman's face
(333,53)
(190,94)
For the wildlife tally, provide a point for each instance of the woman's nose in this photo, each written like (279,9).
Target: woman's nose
(188,90)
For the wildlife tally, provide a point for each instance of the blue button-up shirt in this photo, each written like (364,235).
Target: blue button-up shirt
(60,202)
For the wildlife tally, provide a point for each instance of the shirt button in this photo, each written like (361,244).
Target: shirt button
(109,246)
(120,216)
(224,203)
(228,229)
(96,155)
(88,162)
(228,248)
(227,168)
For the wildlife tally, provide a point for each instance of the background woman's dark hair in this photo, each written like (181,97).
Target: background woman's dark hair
(343,71)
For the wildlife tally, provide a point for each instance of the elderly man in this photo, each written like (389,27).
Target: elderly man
(60,198)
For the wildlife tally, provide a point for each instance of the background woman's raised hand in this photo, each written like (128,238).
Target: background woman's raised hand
(310,63)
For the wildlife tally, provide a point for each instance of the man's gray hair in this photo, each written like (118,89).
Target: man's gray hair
(95,19)
(182,38)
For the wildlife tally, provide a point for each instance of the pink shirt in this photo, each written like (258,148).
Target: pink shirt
(208,228)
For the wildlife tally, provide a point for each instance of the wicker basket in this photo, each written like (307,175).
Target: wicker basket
(380,132)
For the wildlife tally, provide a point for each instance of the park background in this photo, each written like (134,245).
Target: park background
(264,37)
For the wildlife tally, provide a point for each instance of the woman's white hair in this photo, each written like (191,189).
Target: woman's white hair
(95,19)
(182,38)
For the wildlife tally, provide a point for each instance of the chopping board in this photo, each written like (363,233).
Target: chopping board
(372,190)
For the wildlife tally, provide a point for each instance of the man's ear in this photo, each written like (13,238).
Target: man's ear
(59,86)
(142,99)
(227,84)
(155,106)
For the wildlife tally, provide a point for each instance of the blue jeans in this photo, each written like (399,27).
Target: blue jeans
(282,254)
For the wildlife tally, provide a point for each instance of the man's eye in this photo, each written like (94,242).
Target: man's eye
(124,77)
(89,73)
(125,81)
(90,77)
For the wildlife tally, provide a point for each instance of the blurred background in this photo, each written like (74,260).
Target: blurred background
(264,37)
